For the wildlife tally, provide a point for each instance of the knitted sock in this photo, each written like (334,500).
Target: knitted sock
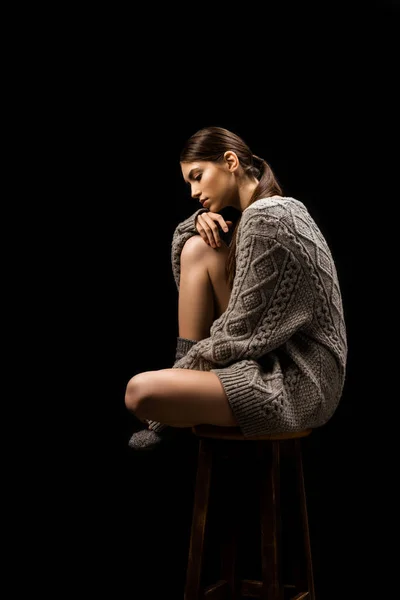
(148,439)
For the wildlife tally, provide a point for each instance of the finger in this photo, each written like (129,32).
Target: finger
(201,229)
(205,229)
(222,223)
(212,230)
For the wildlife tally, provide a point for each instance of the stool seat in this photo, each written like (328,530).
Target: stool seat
(235,433)
(234,470)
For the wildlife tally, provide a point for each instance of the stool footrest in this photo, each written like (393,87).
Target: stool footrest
(250,588)
(217,591)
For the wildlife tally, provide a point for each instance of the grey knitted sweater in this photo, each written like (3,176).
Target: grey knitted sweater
(280,347)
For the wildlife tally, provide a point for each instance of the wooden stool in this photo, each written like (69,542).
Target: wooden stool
(227,443)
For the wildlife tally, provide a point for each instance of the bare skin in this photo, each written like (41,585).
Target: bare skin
(185,397)
(188,397)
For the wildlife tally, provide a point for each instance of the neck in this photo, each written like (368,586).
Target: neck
(246,191)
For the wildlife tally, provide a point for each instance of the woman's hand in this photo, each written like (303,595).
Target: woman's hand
(208,225)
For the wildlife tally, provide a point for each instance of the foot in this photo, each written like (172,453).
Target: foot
(147,439)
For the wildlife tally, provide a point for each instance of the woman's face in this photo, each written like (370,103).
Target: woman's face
(213,184)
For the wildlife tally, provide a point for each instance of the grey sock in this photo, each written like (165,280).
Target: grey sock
(183,346)
(148,439)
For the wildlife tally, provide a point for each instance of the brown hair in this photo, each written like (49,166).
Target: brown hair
(210,144)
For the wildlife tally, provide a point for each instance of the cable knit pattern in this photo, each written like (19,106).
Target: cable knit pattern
(280,348)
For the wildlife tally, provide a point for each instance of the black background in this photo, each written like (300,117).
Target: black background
(312,92)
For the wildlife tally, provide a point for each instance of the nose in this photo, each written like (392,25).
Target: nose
(195,192)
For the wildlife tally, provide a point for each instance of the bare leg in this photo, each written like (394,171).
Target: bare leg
(203,291)
(179,397)
(185,397)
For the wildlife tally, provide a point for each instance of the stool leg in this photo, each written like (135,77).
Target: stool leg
(193,589)
(304,517)
(230,527)
(272,588)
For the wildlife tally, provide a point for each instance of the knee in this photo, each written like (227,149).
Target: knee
(137,390)
(194,250)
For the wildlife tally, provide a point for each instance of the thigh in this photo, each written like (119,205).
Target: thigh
(174,396)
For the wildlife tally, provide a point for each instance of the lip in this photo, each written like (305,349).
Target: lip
(203,202)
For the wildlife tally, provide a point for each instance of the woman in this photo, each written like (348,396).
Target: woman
(262,337)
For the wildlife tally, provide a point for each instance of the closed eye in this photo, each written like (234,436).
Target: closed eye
(194,177)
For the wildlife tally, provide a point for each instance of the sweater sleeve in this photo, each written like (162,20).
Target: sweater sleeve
(269,302)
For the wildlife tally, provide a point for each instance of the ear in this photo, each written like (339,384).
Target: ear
(231,160)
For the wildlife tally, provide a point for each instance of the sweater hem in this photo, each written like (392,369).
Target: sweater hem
(245,407)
